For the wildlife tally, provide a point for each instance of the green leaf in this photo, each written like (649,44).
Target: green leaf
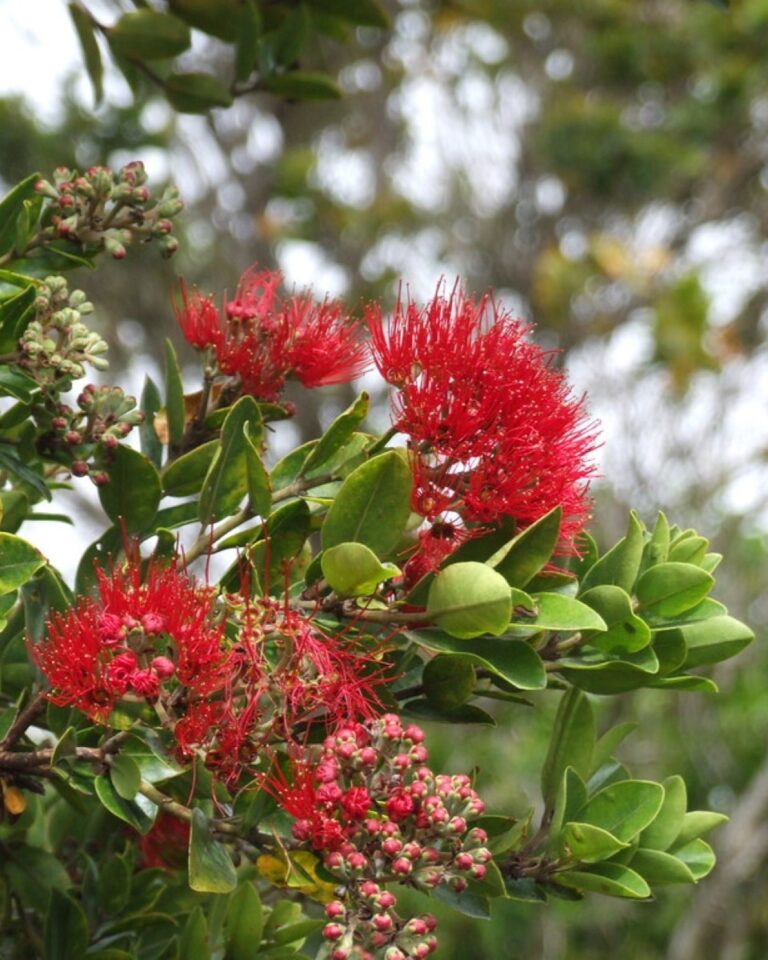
(469,599)
(152,760)
(196,92)
(659,868)
(610,879)
(244,923)
(125,775)
(34,874)
(688,683)
(184,476)
(114,885)
(15,314)
(555,611)
(210,866)
(696,823)
(448,681)
(571,745)
(624,808)
(620,565)
(571,797)
(174,396)
(259,487)
(226,483)
(90,48)
(657,548)
(597,675)
(133,492)
(663,831)
(139,817)
(689,550)
(302,85)
(669,589)
(148,35)
(470,904)
(17,384)
(336,435)
(353,570)
(285,532)
(626,632)
(11,206)
(711,641)
(609,741)
(512,660)
(521,559)
(247,42)
(10,461)
(194,937)
(19,562)
(372,505)
(66,928)
(422,709)
(698,856)
(589,844)
(150,404)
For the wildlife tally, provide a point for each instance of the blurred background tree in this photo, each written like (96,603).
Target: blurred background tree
(604,167)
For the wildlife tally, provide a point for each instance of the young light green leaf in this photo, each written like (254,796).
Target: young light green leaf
(610,879)
(620,565)
(571,745)
(210,866)
(664,829)
(469,599)
(19,562)
(587,843)
(555,611)
(354,570)
(625,808)
(626,632)
(669,589)
(522,558)
(659,868)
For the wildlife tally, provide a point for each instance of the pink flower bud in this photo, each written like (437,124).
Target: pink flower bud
(153,623)
(391,846)
(369,889)
(382,922)
(163,667)
(333,931)
(413,733)
(402,866)
(386,900)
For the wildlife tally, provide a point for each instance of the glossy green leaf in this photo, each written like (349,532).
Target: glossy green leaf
(658,867)
(596,675)
(194,936)
(226,483)
(336,435)
(19,562)
(15,314)
(372,505)
(448,681)
(470,904)
(554,611)
(353,570)
(624,808)
(11,205)
(571,745)
(210,866)
(512,660)
(125,775)
(90,48)
(174,396)
(711,641)
(150,404)
(244,923)
(259,487)
(184,476)
(571,796)
(589,844)
(140,817)
(620,565)
(149,35)
(522,558)
(669,589)
(663,831)
(626,632)
(133,493)
(422,709)
(66,928)
(610,879)
(698,856)
(469,599)
(696,823)
(196,92)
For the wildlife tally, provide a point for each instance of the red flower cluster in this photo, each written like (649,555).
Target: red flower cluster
(379,815)
(493,428)
(263,338)
(141,632)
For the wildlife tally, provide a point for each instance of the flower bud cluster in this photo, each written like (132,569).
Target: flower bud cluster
(379,815)
(103,209)
(88,435)
(58,343)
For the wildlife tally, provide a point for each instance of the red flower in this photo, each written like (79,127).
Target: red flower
(165,845)
(263,338)
(494,430)
(436,542)
(198,317)
(101,648)
(298,797)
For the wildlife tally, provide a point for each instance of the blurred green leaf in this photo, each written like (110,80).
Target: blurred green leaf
(90,48)
(196,92)
(133,493)
(210,866)
(148,35)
